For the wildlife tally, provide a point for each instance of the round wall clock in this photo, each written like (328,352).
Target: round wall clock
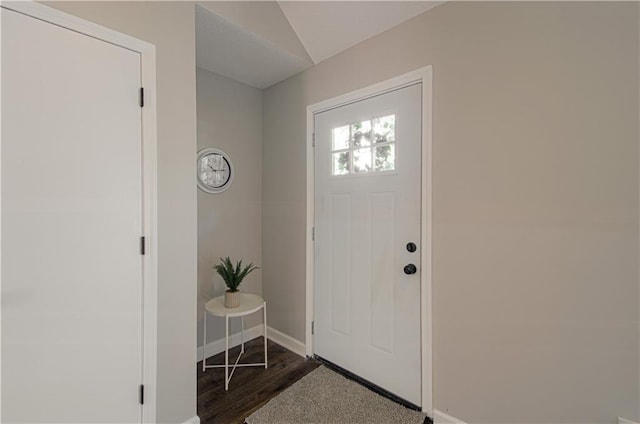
(215,170)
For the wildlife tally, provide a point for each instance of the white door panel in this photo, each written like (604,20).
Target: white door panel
(367,208)
(71,222)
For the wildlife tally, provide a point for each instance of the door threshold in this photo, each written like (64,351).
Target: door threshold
(366,383)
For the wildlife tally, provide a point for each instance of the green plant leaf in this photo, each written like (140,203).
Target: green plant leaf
(233,275)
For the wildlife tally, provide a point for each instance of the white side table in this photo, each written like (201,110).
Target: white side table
(249,303)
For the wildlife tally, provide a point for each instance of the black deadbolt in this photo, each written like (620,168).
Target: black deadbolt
(410,269)
(411,247)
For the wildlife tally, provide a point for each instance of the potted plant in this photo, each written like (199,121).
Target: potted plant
(232,276)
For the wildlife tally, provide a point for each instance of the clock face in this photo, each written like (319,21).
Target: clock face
(215,171)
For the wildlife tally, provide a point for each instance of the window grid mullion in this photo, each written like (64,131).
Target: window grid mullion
(373,149)
(350,150)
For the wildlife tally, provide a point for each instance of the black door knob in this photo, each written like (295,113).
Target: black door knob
(411,247)
(410,269)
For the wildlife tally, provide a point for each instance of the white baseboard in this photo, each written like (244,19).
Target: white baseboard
(440,417)
(287,342)
(215,347)
(192,420)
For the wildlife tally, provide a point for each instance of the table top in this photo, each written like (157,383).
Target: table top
(249,303)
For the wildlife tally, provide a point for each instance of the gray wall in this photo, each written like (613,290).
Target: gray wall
(229,223)
(535,262)
(170,27)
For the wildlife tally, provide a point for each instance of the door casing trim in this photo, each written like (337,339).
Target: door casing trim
(425,76)
(149,176)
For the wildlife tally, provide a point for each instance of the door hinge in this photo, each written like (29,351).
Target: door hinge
(141,96)
(313,234)
(313,140)
(141,399)
(142,243)
(313,327)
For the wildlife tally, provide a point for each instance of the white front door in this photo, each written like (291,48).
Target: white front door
(71,226)
(367,223)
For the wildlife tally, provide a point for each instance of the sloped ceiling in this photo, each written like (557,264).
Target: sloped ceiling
(246,50)
(326,28)
(260,43)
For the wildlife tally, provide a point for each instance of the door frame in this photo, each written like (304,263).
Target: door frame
(425,76)
(149,176)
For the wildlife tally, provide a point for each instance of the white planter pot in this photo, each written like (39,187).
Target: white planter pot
(231,299)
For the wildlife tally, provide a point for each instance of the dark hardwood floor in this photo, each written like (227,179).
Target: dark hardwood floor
(250,387)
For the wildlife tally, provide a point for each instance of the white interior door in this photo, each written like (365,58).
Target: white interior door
(367,210)
(71,222)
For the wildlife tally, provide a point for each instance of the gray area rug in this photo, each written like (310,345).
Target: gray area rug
(325,397)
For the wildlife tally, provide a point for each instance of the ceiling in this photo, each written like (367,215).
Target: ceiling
(260,43)
(326,28)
